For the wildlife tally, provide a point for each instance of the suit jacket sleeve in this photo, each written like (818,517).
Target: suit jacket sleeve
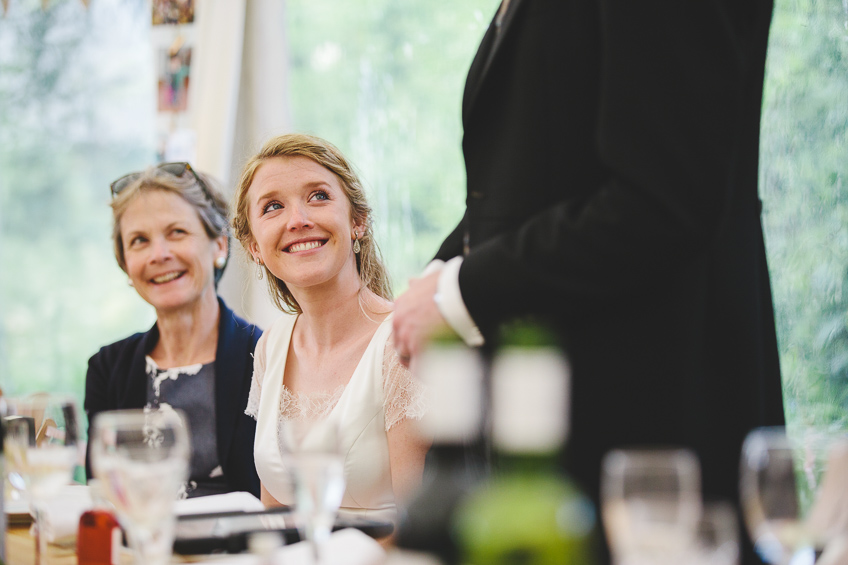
(679,88)
(96,385)
(452,245)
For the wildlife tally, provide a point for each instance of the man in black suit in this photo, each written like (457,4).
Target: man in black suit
(611,150)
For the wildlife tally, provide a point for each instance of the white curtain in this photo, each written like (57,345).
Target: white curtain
(238,99)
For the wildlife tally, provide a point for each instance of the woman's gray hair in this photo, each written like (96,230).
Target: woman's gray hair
(206,199)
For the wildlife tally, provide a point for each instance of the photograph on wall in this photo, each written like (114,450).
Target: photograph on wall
(173,70)
(169,12)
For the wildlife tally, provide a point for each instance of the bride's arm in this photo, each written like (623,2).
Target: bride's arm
(404,404)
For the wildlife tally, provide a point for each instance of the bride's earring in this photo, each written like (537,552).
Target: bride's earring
(258,262)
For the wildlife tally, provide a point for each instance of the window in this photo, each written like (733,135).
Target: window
(804,186)
(75,113)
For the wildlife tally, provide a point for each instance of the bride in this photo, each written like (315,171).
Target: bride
(301,214)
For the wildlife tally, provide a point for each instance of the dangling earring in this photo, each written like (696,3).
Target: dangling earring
(258,262)
(356,247)
(220,262)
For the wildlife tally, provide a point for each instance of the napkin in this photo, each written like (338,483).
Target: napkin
(62,513)
(345,547)
(229,502)
(60,517)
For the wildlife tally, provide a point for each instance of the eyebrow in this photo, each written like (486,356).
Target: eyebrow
(309,185)
(176,223)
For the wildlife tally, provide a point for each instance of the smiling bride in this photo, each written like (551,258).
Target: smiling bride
(301,214)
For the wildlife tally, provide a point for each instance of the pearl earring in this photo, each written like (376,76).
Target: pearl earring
(356,246)
(258,262)
(220,262)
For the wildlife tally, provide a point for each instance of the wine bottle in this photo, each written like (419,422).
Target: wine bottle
(528,512)
(452,375)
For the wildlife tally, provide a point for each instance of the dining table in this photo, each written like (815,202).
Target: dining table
(20,548)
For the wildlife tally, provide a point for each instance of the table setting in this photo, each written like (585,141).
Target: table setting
(793,500)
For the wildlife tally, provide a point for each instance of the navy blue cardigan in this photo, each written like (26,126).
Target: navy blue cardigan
(116,379)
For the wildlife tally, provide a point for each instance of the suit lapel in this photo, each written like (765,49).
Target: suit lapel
(492,41)
(135,393)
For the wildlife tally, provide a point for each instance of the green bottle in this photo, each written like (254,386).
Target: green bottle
(452,374)
(528,512)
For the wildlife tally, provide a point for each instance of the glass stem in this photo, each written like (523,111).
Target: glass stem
(152,546)
(40,538)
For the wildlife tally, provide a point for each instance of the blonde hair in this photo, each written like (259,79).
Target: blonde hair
(206,200)
(372,273)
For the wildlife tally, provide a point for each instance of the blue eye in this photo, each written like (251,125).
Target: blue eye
(272,206)
(320,195)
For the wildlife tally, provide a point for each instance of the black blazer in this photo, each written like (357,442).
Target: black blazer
(116,380)
(611,150)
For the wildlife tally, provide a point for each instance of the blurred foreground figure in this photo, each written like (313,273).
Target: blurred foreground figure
(611,151)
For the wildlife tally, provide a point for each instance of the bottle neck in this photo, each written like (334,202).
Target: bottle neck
(528,462)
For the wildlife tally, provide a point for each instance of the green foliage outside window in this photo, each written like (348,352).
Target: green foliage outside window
(804,186)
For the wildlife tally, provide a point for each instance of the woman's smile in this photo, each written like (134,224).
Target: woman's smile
(305,245)
(167,277)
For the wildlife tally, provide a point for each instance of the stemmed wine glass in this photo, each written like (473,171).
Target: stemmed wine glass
(793,491)
(141,460)
(651,504)
(310,451)
(716,539)
(42,447)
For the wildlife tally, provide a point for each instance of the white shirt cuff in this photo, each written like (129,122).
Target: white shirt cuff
(432,267)
(449,301)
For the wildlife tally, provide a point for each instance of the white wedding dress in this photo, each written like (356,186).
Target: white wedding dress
(380,393)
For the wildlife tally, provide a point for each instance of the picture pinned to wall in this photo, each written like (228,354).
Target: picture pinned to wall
(170,12)
(174,70)
(173,41)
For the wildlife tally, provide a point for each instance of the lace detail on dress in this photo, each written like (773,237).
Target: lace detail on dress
(308,406)
(403,395)
(256,381)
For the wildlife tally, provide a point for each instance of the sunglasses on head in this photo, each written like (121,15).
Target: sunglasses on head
(175,169)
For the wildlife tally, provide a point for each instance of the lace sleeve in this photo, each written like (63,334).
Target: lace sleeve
(256,382)
(403,395)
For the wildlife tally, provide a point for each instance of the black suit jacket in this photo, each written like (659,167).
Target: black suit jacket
(611,151)
(116,380)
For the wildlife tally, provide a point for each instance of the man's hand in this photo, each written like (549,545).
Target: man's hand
(416,317)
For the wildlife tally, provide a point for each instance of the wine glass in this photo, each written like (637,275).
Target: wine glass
(651,504)
(312,456)
(141,459)
(716,540)
(794,492)
(41,447)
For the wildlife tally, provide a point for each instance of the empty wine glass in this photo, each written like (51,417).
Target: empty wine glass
(41,448)
(794,492)
(651,504)
(311,453)
(141,460)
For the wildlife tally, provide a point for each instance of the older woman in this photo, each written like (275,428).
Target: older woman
(170,236)
(301,214)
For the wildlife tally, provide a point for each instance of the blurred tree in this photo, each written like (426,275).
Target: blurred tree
(383,80)
(69,123)
(804,169)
